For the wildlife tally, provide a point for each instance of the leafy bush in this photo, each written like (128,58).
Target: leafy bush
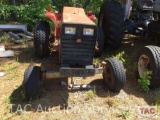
(144,81)
(26,13)
(30,11)
(34,11)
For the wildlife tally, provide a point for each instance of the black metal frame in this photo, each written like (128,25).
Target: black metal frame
(73,53)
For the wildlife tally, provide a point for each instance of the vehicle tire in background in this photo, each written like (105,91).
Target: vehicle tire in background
(111,19)
(114,75)
(148,59)
(41,39)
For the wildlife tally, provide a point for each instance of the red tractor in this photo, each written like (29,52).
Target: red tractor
(77,39)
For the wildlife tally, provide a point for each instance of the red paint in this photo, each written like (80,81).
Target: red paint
(91,16)
(56,18)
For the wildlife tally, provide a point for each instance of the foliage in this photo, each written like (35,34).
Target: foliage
(144,81)
(91,93)
(120,56)
(34,10)
(125,114)
(26,13)
(30,11)
(158,103)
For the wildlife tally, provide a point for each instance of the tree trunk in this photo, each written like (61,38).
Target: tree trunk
(13,13)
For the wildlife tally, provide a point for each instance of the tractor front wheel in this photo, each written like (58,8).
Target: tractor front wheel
(114,75)
(41,39)
(32,82)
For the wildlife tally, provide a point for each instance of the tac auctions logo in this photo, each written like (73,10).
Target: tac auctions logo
(147,111)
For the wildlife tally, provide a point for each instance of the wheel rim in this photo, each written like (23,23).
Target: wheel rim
(143,63)
(107,74)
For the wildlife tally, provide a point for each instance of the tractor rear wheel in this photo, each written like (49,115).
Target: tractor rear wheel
(148,59)
(111,19)
(99,42)
(32,82)
(114,75)
(41,39)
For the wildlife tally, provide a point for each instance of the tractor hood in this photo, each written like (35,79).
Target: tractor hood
(72,15)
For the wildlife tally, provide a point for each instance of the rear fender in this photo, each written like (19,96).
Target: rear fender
(56,18)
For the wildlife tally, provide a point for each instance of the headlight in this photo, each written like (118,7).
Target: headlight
(70,30)
(88,31)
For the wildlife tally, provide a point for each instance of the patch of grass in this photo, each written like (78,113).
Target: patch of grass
(10,69)
(5,38)
(91,94)
(125,114)
(130,65)
(112,102)
(28,50)
(131,68)
(11,99)
(144,81)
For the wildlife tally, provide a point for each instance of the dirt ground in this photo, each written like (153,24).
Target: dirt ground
(62,103)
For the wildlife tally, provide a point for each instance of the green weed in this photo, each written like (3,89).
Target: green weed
(4,38)
(125,114)
(91,94)
(120,56)
(144,81)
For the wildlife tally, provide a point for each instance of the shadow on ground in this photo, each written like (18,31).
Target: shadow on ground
(53,96)
(56,96)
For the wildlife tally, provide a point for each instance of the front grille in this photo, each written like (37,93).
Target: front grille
(73,53)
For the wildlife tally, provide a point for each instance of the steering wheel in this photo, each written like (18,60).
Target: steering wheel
(73,3)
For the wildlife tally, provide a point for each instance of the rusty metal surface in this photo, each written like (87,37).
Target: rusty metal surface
(51,74)
(71,72)
(74,15)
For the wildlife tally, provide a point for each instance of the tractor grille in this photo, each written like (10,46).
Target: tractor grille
(73,53)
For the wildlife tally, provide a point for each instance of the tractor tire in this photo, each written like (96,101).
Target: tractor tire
(148,59)
(99,42)
(114,75)
(111,19)
(32,82)
(41,39)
